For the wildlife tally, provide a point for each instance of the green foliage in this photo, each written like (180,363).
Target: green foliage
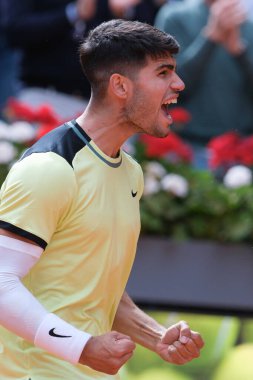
(161,374)
(246,333)
(209,211)
(237,365)
(3,173)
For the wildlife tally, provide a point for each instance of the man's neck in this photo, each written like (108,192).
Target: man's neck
(106,129)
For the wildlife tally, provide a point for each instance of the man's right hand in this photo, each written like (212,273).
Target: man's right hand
(86,9)
(108,352)
(119,7)
(225,17)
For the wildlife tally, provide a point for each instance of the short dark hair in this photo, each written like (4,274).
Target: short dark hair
(120,46)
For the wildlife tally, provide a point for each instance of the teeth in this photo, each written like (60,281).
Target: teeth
(173,101)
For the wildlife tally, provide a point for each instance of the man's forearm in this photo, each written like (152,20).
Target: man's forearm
(177,344)
(23,314)
(133,322)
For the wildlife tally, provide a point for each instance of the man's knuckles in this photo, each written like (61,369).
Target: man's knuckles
(125,351)
(116,363)
(173,357)
(124,346)
(196,337)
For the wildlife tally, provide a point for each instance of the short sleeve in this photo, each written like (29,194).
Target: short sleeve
(36,196)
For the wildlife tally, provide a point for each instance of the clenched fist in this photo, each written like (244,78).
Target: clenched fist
(108,352)
(179,344)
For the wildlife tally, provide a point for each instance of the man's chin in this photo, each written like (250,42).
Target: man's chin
(162,133)
(158,131)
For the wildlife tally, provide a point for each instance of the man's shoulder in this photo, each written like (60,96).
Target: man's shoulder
(42,172)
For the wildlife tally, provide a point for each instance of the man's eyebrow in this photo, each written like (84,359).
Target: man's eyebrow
(166,66)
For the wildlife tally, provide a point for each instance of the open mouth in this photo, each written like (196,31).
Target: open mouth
(166,106)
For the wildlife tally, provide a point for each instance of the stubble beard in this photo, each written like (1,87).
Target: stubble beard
(135,116)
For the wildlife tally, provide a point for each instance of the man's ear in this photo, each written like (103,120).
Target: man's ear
(120,85)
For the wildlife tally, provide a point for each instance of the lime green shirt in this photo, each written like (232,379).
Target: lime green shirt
(82,207)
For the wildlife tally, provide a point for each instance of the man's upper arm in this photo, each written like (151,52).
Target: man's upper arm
(15,236)
(36,196)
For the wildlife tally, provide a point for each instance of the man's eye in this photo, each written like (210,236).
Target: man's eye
(163,73)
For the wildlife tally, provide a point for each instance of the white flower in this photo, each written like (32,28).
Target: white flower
(21,131)
(151,186)
(4,131)
(154,169)
(175,184)
(7,152)
(237,176)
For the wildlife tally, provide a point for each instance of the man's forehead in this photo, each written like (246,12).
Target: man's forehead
(161,61)
(169,59)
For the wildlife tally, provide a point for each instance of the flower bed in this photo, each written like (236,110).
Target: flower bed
(183,202)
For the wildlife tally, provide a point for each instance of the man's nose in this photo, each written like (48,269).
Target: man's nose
(177,84)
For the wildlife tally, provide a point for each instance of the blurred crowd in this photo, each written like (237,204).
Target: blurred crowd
(39,43)
(216,64)
(39,40)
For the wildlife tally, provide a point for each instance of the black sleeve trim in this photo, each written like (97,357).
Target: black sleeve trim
(28,235)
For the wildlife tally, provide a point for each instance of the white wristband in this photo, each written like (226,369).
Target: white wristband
(60,338)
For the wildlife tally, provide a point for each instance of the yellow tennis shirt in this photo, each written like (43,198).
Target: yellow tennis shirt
(82,207)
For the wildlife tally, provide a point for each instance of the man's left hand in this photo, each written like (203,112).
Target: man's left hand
(179,344)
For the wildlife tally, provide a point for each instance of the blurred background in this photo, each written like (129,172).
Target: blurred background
(198,181)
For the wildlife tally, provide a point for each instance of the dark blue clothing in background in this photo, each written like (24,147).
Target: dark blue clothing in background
(41,29)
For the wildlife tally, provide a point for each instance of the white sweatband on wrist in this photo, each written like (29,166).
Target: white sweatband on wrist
(21,312)
(60,338)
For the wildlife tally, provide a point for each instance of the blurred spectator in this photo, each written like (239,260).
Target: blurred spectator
(248,4)
(8,71)
(49,32)
(216,63)
(141,10)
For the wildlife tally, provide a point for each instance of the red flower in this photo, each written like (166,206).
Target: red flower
(44,128)
(180,115)
(223,149)
(244,152)
(171,145)
(20,110)
(43,116)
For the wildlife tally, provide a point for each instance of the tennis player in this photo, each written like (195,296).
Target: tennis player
(69,222)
